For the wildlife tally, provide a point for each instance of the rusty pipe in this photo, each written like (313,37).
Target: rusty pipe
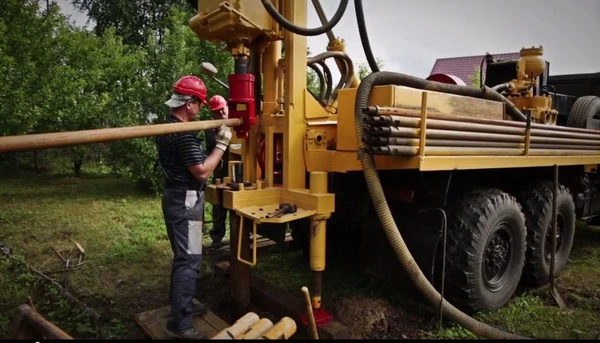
(399,150)
(466,125)
(455,133)
(393,120)
(42,326)
(383,110)
(69,138)
(381,141)
(405,132)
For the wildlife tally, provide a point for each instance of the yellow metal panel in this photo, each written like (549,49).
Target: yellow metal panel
(225,20)
(313,107)
(381,95)
(410,98)
(258,214)
(345,161)
(212,194)
(489,162)
(239,199)
(321,203)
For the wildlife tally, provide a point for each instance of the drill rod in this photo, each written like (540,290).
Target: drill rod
(62,139)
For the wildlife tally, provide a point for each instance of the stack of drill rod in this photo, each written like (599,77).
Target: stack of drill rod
(396,131)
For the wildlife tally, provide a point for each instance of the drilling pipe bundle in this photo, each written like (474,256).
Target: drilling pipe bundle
(397,132)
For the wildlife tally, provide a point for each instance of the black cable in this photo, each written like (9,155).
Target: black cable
(322,89)
(364,38)
(281,20)
(328,79)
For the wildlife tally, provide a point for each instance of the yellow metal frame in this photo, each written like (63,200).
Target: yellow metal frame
(316,138)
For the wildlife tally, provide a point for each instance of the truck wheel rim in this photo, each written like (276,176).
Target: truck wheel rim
(496,257)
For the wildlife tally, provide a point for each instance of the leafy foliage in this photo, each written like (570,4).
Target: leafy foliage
(58,77)
(364,70)
(475,78)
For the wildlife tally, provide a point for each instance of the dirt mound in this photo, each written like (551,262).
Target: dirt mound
(376,318)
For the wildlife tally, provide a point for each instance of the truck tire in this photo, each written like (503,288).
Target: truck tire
(486,250)
(584,108)
(537,206)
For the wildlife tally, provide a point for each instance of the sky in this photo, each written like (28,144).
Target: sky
(409,35)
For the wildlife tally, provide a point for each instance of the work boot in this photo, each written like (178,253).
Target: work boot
(198,308)
(216,244)
(185,334)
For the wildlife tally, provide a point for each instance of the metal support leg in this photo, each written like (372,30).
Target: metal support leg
(318,223)
(239,272)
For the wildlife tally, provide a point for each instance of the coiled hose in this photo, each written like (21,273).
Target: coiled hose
(389,225)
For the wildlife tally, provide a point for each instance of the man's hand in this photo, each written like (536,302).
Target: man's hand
(223,137)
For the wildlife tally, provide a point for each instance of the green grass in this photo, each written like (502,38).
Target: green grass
(128,264)
(122,231)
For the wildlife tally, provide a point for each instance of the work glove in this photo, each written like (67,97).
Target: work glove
(223,137)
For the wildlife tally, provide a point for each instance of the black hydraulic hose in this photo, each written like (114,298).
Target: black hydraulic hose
(387,220)
(501,87)
(323,18)
(328,79)
(364,37)
(322,89)
(302,30)
(347,75)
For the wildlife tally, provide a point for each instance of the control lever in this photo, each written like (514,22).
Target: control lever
(283,209)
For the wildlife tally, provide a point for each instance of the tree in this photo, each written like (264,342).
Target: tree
(475,78)
(364,70)
(131,19)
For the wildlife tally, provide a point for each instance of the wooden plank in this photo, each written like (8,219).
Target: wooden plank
(153,322)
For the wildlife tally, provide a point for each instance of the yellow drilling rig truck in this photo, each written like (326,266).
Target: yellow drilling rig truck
(455,187)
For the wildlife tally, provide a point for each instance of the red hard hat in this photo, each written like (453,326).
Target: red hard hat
(191,85)
(217,103)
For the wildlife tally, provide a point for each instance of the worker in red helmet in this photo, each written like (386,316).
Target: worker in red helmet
(219,110)
(186,167)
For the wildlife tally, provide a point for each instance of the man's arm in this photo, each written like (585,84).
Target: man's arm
(204,169)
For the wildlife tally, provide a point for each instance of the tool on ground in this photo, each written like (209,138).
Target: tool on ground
(309,314)
(283,209)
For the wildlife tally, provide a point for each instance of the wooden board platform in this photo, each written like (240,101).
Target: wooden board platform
(153,323)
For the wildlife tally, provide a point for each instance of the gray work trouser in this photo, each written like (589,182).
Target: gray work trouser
(183,213)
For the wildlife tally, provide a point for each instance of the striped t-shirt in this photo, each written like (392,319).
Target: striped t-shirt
(177,151)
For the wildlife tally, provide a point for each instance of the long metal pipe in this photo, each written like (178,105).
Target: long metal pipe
(409,132)
(405,132)
(393,120)
(467,125)
(400,150)
(539,136)
(62,139)
(383,110)
(383,141)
